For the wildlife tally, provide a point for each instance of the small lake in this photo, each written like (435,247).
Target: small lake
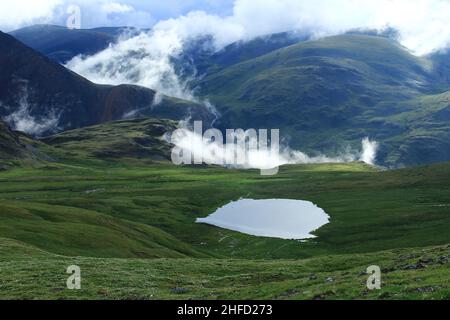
(274,218)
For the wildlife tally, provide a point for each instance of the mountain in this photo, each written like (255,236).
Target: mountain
(441,65)
(202,54)
(40,97)
(17,148)
(330,93)
(424,131)
(325,95)
(62,44)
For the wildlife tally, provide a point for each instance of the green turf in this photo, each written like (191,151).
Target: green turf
(28,273)
(117,211)
(131,226)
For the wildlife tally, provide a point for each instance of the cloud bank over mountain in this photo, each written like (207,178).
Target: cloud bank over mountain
(147,59)
(191,145)
(422,24)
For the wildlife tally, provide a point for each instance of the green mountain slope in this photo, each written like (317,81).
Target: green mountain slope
(17,148)
(328,93)
(424,131)
(127,140)
(209,61)
(74,232)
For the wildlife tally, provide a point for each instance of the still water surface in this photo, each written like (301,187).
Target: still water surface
(275,218)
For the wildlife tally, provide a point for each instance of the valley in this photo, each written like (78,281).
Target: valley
(128,218)
(86,177)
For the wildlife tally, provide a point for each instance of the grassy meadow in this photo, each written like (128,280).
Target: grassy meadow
(131,228)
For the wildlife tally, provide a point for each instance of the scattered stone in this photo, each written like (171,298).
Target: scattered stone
(417,266)
(324,295)
(329,280)
(179,290)
(443,259)
(387,270)
(93,191)
(384,295)
(427,289)
(290,293)
(409,256)
(103,292)
(312,277)
(319,297)
(425,261)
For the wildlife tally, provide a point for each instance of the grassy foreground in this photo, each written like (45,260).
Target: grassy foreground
(28,273)
(131,228)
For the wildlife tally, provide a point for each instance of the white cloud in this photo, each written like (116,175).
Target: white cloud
(370,149)
(21,12)
(191,145)
(423,24)
(101,13)
(142,60)
(22,119)
(146,59)
(114,7)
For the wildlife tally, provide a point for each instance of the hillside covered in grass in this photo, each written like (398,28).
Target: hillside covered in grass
(127,140)
(109,202)
(113,210)
(328,94)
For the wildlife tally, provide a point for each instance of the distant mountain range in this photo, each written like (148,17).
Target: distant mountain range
(328,94)
(325,95)
(62,44)
(40,96)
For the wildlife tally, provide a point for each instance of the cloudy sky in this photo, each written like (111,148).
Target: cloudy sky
(423,25)
(139,13)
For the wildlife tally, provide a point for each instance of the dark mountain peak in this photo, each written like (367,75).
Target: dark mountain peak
(40,96)
(37,27)
(62,44)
